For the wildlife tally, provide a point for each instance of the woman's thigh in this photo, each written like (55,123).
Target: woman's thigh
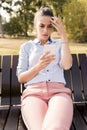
(33,111)
(59,114)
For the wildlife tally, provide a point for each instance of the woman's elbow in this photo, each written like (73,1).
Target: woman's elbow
(20,79)
(67,67)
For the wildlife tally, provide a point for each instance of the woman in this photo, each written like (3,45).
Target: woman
(46,102)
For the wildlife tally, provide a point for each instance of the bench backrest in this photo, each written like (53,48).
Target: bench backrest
(76,79)
(10,88)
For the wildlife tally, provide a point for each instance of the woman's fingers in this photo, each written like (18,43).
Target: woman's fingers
(46,59)
(57,24)
(47,55)
(55,20)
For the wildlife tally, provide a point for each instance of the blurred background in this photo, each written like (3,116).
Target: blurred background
(16,23)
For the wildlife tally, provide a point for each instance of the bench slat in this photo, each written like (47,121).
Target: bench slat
(12,121)
(3,116)
(67,76)
(76,80)
(5,90)
(83,64)
(78,120)
(83,111)
(0,63)
(15,86)
(0,76)
(21,125)
(72,127)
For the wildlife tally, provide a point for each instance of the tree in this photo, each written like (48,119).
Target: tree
(72,12)
(57,6)
(74,15)
(9,10)
(25,12)
(13,27)
(1,28)
(27,9)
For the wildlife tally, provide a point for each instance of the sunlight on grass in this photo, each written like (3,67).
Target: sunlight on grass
(12,46)
(8,52)
(78,48)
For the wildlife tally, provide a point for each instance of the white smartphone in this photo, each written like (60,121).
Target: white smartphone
(50,48)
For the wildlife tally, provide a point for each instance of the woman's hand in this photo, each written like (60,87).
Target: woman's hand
(58,25)
(45,60)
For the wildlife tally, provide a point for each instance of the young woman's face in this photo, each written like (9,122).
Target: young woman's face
(43,27)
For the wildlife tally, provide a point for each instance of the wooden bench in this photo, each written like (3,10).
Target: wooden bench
(10,93)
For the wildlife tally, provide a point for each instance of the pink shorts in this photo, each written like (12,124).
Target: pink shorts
(45,106)
(45,90)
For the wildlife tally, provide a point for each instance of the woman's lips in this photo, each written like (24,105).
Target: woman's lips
(45,35)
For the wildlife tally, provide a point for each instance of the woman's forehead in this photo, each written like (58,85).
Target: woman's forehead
(44,19)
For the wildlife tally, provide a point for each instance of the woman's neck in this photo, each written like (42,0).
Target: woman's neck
(43,42)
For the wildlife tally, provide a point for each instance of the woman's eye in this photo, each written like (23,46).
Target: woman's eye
(50,26)
(42,26)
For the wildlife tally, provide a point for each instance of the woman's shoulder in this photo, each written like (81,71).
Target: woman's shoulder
(25,47)
(27,44)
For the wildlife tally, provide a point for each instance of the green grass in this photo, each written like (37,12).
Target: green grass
(78,48)
(12,46)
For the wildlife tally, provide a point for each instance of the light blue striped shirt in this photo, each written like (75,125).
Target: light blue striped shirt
(29,55)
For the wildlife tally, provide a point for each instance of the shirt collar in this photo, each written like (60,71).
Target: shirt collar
(37,41)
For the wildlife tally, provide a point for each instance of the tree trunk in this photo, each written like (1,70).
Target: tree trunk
(1,27)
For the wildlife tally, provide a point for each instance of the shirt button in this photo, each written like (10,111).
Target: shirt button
(47,70)
(49,80)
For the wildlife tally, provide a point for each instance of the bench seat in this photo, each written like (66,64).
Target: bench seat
(11,90)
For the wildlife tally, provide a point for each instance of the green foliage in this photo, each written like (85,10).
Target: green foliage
(8,1)
(57,6)
(28,8)
(13,27)
(74,15)
(25,12)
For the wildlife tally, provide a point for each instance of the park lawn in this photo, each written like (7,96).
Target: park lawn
(12,46)
(78,48)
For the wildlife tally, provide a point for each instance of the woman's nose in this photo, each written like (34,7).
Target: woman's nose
(45,29)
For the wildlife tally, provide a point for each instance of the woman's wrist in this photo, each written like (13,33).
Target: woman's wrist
(38,67)
(64,42)
(64,38)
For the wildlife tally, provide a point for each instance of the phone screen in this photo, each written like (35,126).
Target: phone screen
(50,48)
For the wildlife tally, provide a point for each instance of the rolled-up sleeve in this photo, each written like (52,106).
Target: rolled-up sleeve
(23,60)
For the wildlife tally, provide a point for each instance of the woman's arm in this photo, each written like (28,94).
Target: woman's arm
(44,60)
(29,74)
(66,58)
